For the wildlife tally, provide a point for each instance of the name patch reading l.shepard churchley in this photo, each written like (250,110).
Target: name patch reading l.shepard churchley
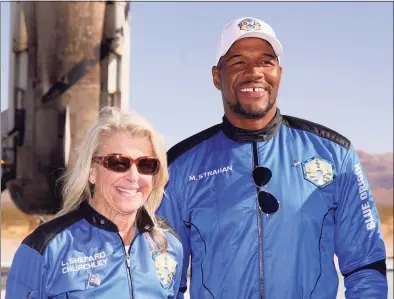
(84,263)
(363,193)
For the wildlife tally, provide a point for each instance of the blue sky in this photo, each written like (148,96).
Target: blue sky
(337,65)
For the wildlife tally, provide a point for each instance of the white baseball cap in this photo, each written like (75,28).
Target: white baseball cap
(247,27)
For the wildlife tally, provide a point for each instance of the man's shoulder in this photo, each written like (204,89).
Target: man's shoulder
(42,235)
(191,142)
(316,129)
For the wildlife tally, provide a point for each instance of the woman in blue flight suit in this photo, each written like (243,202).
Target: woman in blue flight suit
(109,245)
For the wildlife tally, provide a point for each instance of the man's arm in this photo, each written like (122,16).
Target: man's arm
(171,210)
(358,241)
(26,278)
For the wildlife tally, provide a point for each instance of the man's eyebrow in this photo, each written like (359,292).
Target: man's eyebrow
(239,55)
(270,55)
(234,56)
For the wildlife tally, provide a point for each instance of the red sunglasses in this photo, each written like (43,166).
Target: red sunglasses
(122,163)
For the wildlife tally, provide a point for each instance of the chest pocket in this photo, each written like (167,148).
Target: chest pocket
(32,295)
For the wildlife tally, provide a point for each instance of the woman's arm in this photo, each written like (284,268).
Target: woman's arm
(27,276)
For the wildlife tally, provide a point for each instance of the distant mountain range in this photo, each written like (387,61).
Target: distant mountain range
(379,170)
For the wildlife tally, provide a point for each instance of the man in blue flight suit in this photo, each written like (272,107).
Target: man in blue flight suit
(263,201)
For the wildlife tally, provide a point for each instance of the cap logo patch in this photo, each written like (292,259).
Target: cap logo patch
(249,25)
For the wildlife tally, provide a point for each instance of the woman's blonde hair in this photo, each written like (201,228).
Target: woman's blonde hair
(76,184)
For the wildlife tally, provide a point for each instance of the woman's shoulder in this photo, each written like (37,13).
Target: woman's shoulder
(43,234)
(172,236)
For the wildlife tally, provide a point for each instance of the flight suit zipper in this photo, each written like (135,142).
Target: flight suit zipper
(128,264)
(259,223)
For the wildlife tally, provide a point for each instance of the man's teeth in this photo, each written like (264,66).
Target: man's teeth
(252,89)
(134,191)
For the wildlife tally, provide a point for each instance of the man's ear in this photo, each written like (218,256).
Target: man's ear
(280,73)
(216,77)
(92,175)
